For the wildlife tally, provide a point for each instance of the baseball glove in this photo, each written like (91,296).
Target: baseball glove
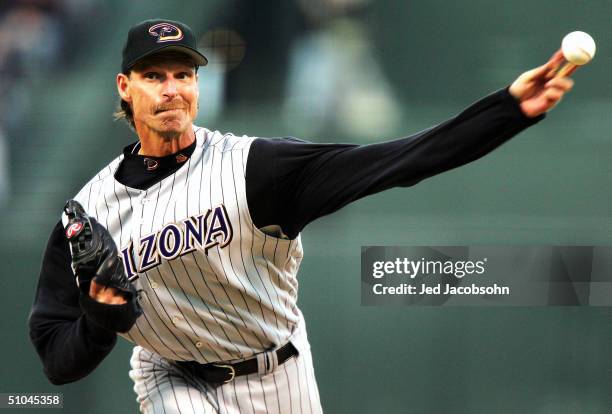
(94,253)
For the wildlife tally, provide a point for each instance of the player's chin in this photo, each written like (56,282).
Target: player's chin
(176,125)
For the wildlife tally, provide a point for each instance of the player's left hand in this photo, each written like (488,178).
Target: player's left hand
(538,90)
(95,260)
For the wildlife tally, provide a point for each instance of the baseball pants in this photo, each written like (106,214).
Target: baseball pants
(162,386)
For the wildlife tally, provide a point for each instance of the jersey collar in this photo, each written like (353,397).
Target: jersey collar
(150,163)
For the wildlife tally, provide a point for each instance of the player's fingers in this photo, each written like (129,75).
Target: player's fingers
(565,84)
(555,60)
(573,69)
(116,300)
(553,94)
(94,289)
(104,294)
(547,70)
(538,72)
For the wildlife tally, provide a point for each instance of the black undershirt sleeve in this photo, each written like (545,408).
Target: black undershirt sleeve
(69,342)
(290,182)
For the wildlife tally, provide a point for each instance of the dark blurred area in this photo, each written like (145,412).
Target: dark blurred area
(338,71)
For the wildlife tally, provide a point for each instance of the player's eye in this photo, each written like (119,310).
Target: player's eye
(184,75)
(151,75)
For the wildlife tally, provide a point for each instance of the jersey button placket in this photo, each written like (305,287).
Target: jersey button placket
(140,224)
(143,201)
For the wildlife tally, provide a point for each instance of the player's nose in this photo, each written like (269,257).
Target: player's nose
(169,87)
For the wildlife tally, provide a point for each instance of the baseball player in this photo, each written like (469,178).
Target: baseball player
(188,243)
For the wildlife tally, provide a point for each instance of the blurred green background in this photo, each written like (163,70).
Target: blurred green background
(338,71)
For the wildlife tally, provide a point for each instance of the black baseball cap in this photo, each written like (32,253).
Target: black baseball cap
(152,36)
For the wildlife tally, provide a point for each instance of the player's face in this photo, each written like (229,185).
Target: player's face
(164,96)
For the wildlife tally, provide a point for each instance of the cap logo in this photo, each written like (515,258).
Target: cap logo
(166,32)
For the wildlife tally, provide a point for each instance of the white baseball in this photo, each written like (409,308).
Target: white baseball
(578,47)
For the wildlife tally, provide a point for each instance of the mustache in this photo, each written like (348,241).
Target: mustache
(169,106)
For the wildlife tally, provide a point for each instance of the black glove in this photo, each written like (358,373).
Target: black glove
(95,257)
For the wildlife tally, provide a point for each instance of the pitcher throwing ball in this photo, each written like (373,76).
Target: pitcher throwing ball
(188,243)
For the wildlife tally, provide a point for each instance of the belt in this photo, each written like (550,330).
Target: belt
(222,373)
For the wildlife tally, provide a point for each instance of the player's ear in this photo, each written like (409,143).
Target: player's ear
(123,86)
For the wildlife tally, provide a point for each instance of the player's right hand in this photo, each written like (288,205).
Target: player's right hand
(539,90)
(99,270)
(106,294)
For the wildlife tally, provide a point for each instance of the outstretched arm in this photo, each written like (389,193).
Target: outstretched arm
(291,182)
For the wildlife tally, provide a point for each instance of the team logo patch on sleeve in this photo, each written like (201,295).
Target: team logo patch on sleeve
(166,32)
(73,230)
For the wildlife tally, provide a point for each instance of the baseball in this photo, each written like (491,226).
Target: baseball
(578,47)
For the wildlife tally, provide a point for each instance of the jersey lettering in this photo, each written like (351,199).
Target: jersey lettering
(220,226)
(195,229)
(148,252)
(128,261)
(175,240)
(170,241)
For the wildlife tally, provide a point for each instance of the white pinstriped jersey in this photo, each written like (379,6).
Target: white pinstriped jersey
(213,286)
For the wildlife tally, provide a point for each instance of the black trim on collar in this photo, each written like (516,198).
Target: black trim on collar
(151,164)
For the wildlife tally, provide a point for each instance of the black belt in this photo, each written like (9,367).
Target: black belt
(220,373)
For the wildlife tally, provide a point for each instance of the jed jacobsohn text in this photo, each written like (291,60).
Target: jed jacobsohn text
(440,289)
(414,268)
(426,269)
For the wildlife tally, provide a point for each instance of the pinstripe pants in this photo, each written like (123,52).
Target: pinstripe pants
(162,386)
